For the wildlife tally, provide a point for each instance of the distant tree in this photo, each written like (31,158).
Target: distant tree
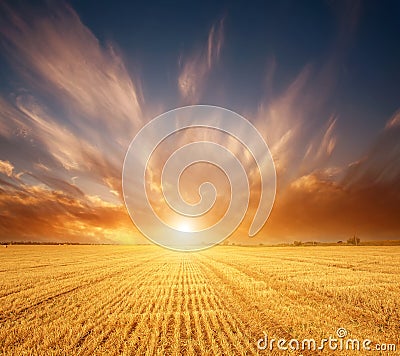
(354,240)
(297,243)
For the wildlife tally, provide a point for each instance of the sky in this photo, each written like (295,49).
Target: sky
(318,80)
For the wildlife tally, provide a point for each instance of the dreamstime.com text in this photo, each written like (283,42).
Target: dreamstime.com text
(339,343)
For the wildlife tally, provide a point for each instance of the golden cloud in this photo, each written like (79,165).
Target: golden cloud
(6,168)
(36,213)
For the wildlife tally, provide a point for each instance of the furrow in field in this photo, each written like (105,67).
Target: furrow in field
(243,304)
(158,298)
(51,310)
(236,331)
(311,299)
(109,325)
(38,282)
(13,312)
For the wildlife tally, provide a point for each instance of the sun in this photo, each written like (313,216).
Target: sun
(184,227)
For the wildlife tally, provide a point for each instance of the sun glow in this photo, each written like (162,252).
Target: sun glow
(184,227)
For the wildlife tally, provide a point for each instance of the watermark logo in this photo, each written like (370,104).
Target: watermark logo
(198,117)
(341,332)
(339,342)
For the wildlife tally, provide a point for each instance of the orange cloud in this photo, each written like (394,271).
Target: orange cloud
(316,208)
(6,168)
(365,201)
(35,213)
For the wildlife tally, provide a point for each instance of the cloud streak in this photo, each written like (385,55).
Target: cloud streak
(72,123)
(197,67)
(65,59)
(94,103)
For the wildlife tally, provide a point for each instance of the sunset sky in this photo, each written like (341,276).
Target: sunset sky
(320,82)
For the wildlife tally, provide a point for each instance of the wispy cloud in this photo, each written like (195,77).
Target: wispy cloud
(394,121)
(299,131)
(60,56)
(197,67)
(95,107)
(380,165)
(337,202)
(72,123)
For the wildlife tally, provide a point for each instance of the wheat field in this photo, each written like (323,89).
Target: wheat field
(145,300)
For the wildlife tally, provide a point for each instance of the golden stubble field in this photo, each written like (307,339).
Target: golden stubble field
(138,300)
